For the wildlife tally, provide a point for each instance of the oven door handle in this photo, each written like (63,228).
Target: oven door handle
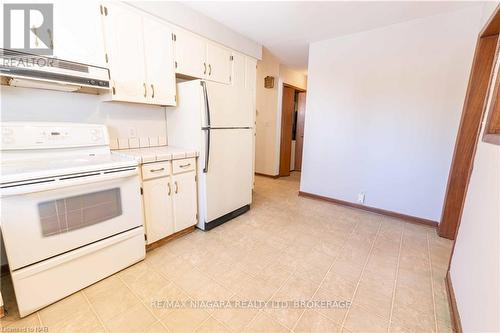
(54,183)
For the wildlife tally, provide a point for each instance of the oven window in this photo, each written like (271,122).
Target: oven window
(63,215)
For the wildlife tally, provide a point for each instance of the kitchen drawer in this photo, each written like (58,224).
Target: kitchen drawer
(186,164)
(155,170)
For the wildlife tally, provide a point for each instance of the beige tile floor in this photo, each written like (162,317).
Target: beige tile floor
(287,248)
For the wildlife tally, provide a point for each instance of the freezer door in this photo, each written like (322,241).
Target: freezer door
(228,106)
(227,184)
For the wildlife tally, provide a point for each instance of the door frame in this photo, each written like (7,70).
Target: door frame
(281,118)
(474,109)
(298,166)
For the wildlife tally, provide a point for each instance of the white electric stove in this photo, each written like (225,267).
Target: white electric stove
(70,210)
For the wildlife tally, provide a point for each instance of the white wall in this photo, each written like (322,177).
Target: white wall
(23,104)
(267,105)
(268,126)
(293,77)
(383,108)
(187,18)
(475,264)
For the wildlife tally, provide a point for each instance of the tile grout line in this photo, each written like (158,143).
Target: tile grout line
(326,274)
(361,274)
(267,301)
(396,278)
(432,280)
(39,318)
(144,303)
(94,311)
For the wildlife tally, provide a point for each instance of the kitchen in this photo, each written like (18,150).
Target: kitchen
(143,186)
(192,181)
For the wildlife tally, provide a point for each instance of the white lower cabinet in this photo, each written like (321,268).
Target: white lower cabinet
(185,205)
(169,198)
(157,197)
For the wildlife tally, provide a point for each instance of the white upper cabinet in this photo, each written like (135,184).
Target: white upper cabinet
(219,63)
(159,55)
(196,57)
(125,51)
(190,54)
(77,32)
(140,59)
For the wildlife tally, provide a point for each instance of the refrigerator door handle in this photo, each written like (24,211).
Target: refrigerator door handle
(207,103)
(207,149)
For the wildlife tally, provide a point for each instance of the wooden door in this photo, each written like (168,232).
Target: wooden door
(299,135)
(158,211)
(286,130)
(185,200)
(159,55)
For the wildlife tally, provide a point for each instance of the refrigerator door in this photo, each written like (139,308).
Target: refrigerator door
(226,107)
(227,183)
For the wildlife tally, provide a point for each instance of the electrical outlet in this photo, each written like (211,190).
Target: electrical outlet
(361,197)
(132,132)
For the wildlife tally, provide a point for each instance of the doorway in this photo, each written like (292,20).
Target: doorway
(293,110)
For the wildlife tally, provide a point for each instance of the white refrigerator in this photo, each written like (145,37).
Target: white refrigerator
(216,119)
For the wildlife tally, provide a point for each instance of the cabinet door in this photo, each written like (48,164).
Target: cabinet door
(189,52)
(251,88)
(185,200)
(78,33)
(158,214)
(159,55)
(219,63)
(123,36)
(251,85)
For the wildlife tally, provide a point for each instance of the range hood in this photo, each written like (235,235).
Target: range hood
(27,70)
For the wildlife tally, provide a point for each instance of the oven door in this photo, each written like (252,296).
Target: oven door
(44,219)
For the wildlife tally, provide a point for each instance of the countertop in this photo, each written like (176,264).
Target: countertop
(155,154)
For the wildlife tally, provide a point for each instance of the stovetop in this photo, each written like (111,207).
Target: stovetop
(26,169)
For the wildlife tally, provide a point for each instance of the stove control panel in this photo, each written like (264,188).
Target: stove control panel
(20,135)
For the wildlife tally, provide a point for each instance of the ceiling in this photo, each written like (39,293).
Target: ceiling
(286,28)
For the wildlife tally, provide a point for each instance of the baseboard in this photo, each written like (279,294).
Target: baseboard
(455,316)
(268,176)
(406,218)
(167,239)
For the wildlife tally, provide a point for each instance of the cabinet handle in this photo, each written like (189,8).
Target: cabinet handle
(209,69)
(176,187)
(204,68)
(156,170)
(169,188)
(145,89)
(184,165)
(153,88)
